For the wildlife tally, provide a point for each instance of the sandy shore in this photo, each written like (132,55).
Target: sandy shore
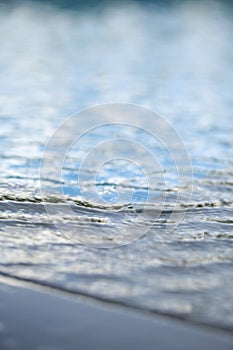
(40,319)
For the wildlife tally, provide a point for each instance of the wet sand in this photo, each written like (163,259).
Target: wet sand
(32,317)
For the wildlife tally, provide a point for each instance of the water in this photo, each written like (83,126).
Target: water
(175,58)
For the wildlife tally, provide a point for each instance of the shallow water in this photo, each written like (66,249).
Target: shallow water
(176,59)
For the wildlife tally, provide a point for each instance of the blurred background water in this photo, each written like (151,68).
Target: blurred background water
(57,58)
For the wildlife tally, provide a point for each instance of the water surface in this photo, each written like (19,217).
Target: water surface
(175,58)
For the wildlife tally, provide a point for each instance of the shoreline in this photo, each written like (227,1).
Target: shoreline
(36,318)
